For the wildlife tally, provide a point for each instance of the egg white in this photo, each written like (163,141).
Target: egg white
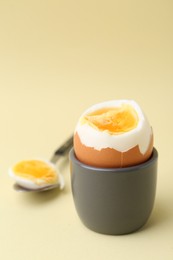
(92,137)
(37,183)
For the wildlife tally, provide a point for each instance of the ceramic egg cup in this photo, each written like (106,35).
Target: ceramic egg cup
(114,201)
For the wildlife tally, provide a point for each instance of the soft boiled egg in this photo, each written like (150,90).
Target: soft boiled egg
(35,174)
(113,134)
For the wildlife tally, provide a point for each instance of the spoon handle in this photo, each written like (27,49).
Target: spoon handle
(62,150)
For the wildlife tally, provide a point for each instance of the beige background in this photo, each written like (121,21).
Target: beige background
(56,59)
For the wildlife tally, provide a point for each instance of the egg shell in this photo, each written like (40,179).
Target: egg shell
(109,157)
(102,149)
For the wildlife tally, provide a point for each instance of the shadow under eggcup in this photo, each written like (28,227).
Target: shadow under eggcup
(114,201)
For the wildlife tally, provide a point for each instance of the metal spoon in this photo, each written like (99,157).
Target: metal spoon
(62,151)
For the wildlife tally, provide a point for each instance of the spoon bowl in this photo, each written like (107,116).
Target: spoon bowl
(61,152)
(59,185)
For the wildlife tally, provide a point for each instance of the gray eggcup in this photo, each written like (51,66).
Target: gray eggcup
(114,201)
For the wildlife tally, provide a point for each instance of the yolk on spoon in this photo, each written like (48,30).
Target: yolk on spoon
(35,169)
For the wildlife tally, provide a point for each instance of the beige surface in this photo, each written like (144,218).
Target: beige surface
(56,59)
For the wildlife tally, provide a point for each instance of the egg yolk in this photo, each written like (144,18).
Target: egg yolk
(116,120)
(35,170)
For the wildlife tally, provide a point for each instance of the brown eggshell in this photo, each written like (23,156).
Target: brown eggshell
(109,157)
